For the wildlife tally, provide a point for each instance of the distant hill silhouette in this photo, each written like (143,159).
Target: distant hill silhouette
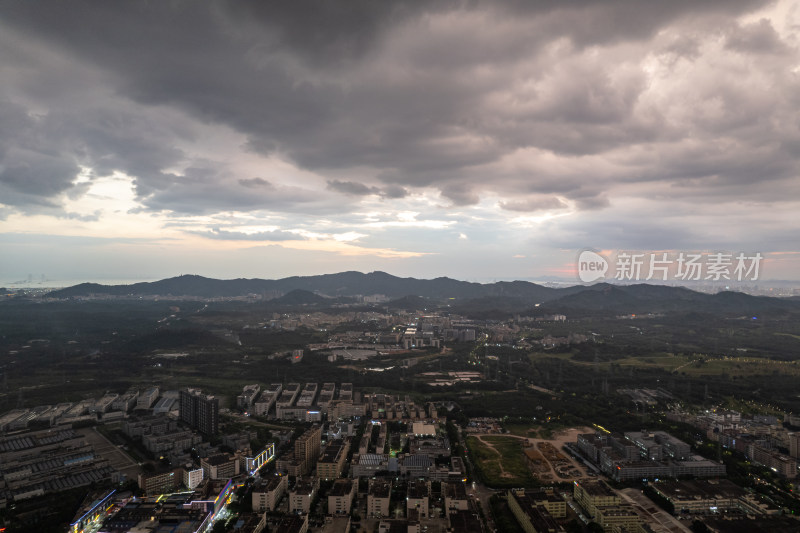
(643,298)
(188,285)
(473,299)
(333,285)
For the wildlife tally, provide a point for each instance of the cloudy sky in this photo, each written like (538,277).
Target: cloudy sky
(477,140)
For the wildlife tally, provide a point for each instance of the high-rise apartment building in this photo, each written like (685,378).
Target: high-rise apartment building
(200,411)
(306,448)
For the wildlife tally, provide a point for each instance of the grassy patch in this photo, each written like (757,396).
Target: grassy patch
(741,367)
(666,362)
(522,430)
(500,463)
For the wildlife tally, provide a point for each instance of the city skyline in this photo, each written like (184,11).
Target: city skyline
(477,141)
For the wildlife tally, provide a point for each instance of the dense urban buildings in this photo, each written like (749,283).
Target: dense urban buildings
(481,442)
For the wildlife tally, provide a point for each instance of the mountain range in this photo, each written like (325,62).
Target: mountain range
(460,296)
(331,285)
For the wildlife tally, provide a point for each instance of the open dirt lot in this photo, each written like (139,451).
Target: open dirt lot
(562,467)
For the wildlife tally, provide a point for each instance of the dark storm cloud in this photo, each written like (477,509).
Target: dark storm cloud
(394,192)
(41,155)
(419,94)
(461,196)
(33,166)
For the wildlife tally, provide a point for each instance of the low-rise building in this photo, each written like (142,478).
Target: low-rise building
(532,517)
(418,498)
(603,505)
(709,497)
(592,494)
(104,404)
(288,395)
(192,477)
(125,402)
(146,399)
(340,497)
(783,465)
(249,393)
(433,447)
(267,399)
(641,455)
(165,405)
(339,409)
(455,496)
(301,496)
(158,443)
(379,498)
(367,464)
(240,440)
(331,461)
(415,466)
(160,483)
(220,466)
(267,493)
(148,425)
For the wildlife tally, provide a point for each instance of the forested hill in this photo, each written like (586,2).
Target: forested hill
(463,297)
(333,285)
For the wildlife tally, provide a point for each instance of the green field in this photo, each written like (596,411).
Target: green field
(693,366)
(500,461)
(522,430)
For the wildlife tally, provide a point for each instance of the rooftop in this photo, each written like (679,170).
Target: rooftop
(418,489)
(596,488)
(699,489)
(380,488)
(456,491)
(341,487)
(219,459)
(331,452)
